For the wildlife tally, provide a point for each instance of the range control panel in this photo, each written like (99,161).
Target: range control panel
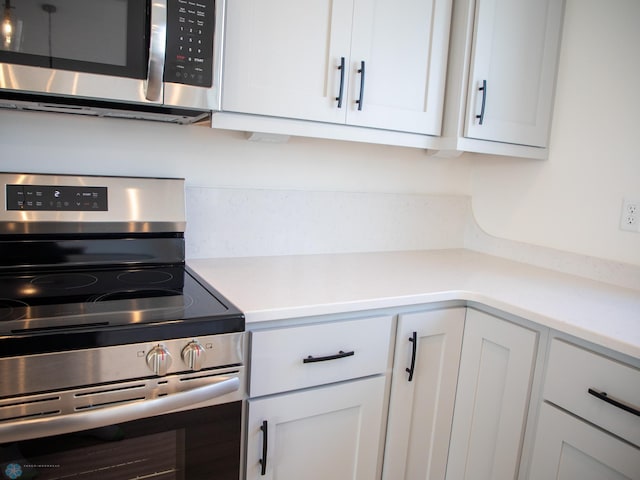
(57,198)
(189,54)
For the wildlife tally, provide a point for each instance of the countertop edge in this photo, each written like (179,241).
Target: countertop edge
(291,313)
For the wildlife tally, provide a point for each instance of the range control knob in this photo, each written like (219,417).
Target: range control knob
(159,360)
(193,355)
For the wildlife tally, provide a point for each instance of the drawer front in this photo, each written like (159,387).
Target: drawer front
(573,371)
(290,358)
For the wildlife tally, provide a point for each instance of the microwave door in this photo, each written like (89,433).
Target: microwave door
(94,49)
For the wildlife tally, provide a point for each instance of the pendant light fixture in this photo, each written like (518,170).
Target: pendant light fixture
(7,24)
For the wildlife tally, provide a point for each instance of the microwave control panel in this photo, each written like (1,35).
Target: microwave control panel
(189,53)
(56,198)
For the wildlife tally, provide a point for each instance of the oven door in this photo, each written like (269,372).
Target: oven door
(201,443)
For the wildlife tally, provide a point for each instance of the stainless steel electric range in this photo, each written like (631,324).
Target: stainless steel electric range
(116,360)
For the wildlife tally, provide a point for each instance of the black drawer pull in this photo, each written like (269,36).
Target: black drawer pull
(340,354)
(616,403)
(414,347)
(265,437)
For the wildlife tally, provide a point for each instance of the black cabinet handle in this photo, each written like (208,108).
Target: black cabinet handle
(361,96)
(482,89)
(340,354)
(265,438)
(616,403)
(414,348)
(341,93)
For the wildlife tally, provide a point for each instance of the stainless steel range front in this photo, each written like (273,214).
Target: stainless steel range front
(116,360)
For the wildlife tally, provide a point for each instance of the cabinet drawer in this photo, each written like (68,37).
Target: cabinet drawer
(290,358)
(572,371)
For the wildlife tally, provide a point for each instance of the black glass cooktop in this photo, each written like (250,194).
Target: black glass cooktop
(83,308)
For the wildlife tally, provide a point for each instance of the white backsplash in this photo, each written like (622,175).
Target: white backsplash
(240,222)
(230,222)
(608,271)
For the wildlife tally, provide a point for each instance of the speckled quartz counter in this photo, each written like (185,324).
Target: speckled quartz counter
(284,287)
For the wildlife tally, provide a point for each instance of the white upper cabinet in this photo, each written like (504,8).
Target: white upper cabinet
(515,53)
(283,58)
(403,45)
(502,75)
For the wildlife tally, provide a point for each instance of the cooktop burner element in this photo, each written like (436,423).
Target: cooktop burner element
(11,309)
(38,288)
(147,295)
(145,277)
(64,281)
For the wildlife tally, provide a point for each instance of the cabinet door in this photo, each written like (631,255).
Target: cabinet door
(282,56)
(515,51)
(496,370)
(404,45)
(331,432)
(421,405)
(567,448)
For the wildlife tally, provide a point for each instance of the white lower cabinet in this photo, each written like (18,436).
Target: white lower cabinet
(492,399)
(327,401)
(569,449)
(589,423)
(330,432)
(596,387)
(318,400)
(423,390)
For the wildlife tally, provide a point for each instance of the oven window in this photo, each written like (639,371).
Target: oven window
(95,36)
(195,444)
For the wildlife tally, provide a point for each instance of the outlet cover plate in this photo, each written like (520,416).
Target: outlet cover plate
(630,215)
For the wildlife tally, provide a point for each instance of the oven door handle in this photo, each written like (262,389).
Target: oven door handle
(75,422)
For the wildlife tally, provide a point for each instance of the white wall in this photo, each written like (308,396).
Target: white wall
(55,143)
(573,201)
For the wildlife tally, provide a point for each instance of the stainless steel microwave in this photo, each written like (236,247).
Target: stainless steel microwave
(146,59)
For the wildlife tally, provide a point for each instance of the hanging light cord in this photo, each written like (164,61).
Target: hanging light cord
(50,9)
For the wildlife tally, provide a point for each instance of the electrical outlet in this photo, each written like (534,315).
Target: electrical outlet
(630,217)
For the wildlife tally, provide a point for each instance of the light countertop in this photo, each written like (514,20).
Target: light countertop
(284,287)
